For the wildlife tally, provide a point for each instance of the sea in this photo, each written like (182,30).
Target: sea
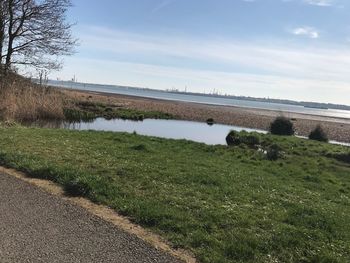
(202,99)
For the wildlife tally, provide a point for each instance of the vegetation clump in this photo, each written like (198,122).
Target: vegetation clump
(235,138)
(318,134)
(89,110)
(273,152)
(76,187)
(282,126)
(343,157)
(210,121)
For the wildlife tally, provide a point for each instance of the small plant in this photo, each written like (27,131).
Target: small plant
(318,134)
(76,188)
(273,152)
(108,109)
(282,126)
(210,121)
(139,147)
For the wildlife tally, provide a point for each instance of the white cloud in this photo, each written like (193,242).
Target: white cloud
(306,31)
(320,2)
(242,68)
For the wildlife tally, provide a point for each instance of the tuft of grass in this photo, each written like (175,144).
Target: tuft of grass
(225,204)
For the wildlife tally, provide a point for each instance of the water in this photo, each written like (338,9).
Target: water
(202,99)
(170,129)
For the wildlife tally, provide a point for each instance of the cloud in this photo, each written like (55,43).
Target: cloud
(320,2)
(276,58)
(239,67)
(164,77)
(306,31)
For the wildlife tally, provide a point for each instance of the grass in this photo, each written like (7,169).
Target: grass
(225,204)
(86,110)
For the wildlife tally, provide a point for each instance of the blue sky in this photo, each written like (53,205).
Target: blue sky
(293,49)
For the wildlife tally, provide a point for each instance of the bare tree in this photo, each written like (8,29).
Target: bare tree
(2,27)
(34,33)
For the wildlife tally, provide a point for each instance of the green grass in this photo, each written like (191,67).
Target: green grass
(226,204)
(87,111)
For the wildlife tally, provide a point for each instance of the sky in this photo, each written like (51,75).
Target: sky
(287,49)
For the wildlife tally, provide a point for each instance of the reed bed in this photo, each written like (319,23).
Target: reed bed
(22,100)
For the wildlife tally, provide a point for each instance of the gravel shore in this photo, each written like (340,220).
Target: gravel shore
(337,128)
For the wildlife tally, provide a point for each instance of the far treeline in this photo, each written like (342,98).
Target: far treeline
(306,104)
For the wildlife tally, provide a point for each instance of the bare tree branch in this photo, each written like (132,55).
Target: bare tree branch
(34,33)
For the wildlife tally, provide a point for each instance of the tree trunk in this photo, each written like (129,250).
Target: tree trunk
(10,37)
(2,30)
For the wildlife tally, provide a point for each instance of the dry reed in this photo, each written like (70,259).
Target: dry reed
(22,100)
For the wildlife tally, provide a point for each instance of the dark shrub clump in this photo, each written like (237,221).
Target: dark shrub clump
(273,152)
(345,157)
(76,188)
(236,138)
(282,126)
(210,121)
(318,134)
(232,138)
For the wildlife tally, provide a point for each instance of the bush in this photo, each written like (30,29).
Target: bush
(273,152)
(318,134)
(236,138)
(233,139)
(210,121)
(282,126)
(76,188)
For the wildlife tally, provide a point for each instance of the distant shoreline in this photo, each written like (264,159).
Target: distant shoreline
(266,101)
(337,128)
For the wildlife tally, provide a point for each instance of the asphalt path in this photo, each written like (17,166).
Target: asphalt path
(36,226)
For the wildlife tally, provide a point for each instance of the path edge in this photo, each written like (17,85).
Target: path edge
(105,213)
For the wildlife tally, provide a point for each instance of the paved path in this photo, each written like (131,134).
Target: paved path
(38,227)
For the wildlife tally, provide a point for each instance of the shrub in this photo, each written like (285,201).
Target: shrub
(232,138)
(250,139)
(282,126)
(76,187)
(318,134)
(210,121)
(273,152)
(236,138)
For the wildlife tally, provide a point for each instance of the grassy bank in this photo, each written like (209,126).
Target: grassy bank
(89,110)
(226,204)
